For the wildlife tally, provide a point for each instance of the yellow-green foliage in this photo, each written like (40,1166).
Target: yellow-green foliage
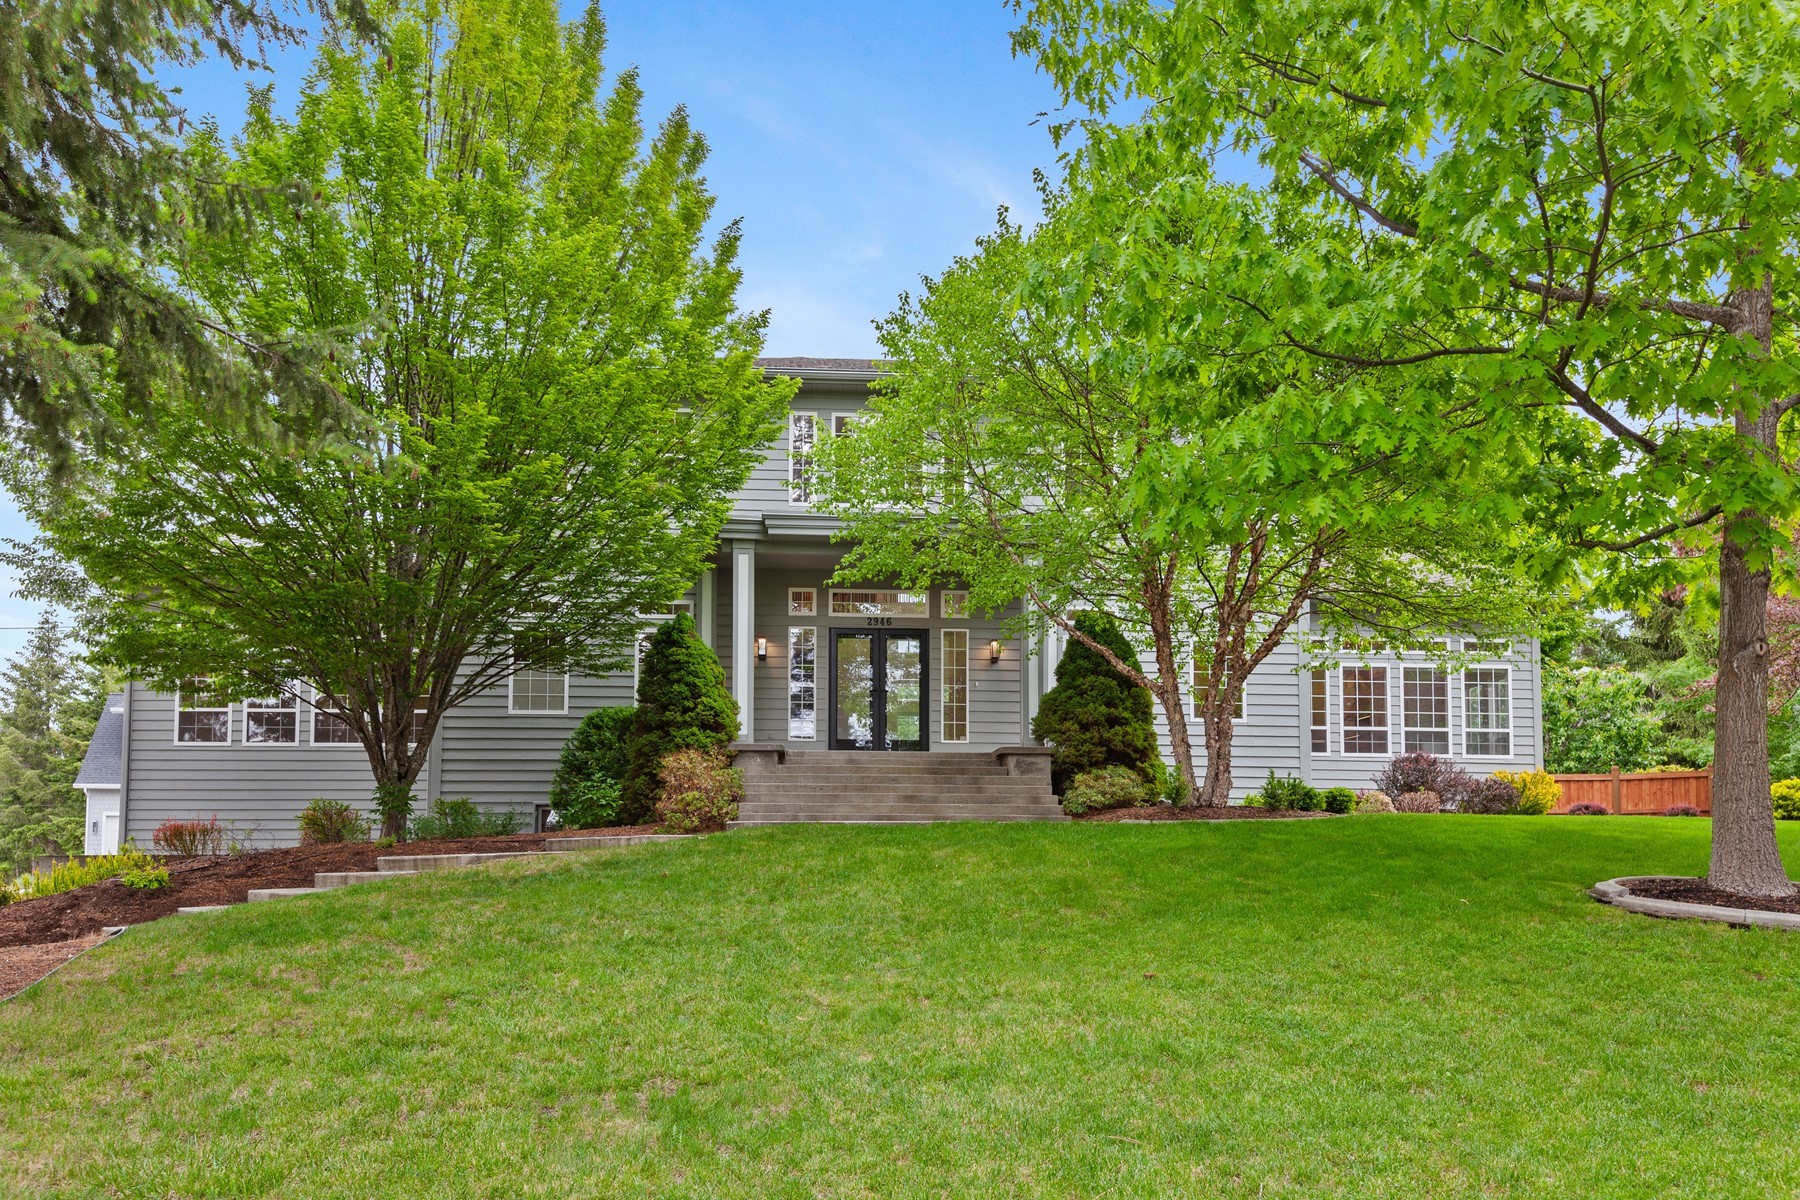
(66,877)
(1538,790)
(1786,795)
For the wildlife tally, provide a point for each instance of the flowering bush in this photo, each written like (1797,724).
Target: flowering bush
(1374,802)
(190,839)
(1104,788)
(700,791)
(1538,790)
(1419,802)
(1785,795)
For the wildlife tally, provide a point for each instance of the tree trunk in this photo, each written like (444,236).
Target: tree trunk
(1168,693)
(1216,792)
(1745,856)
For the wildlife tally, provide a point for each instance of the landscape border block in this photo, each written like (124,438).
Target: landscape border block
(1617,892)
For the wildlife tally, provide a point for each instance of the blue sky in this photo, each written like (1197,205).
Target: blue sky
(862,144)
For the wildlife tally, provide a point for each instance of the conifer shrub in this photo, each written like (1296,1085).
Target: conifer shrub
(1338,800)
(1287,794)
(700,791)
(683,704)
(1095,717)
(588,788)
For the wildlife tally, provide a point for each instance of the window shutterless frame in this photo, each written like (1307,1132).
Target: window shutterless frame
(953,675)
(273,720)
(1363,690)
(210,719)
(803,431)
(1490,675)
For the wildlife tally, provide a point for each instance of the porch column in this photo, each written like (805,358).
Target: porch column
(1031,681)
(708,616)
(743,636)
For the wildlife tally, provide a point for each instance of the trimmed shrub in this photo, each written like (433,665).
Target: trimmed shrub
(700,791)
(66,877)
(1095,717)
(1419,802)
(459,818)
(1287,794)
(1108,787)
(1589,810)
(1681,810)
(394,802)
(1374,802)
(1538,791)
(589,782)
(683,704)
(1418,771)
(330,821)
(1338,799)
(190,839)
(1785,796)
(145,878)
(1492,797)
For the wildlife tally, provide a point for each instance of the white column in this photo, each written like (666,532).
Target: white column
(708,616)
(743,636)
(1031,681)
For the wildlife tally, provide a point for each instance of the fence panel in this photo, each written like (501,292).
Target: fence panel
(1639,792)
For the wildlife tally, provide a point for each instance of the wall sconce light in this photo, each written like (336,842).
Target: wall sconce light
(994,651)
(762,649)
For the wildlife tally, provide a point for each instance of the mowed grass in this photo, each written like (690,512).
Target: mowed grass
(1377,1006)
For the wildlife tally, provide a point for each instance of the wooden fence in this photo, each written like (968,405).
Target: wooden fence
(1643,792)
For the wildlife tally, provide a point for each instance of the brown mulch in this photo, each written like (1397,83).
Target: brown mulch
(22,966)
(228,880)
(1698,891)
(1195,812)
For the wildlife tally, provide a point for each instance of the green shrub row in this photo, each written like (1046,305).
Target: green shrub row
(66,877)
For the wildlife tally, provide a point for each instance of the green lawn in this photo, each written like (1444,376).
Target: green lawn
(1378,1006)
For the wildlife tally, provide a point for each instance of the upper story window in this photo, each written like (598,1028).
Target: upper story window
(274,721)
(802,433)
(954,605)
(533,690)
(803,602)
(1488,649)
(202,714)
(880,604)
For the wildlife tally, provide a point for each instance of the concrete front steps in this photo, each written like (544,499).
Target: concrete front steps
(840,787)
(396,866)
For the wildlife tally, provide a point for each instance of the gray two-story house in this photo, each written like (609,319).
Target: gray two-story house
(815,666)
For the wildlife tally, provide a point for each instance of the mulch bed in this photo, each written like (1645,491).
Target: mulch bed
(1698,891)
(22,966)
(227,880)
(1195,812)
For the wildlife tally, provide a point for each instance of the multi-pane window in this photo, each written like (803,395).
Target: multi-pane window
(880,604)
(1365,706)
(202,713)
(532,689)
(803,676)
(802,432)
(802,602)
(329,728)
(273,721)
(955,673)
(955,605)
(1486,649)
(1487,712)
(1425,709)
(1320,697)
(1201,691)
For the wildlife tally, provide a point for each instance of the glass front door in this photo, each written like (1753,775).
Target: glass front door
(878,689)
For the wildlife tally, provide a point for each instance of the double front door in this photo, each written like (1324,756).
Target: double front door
(878,692)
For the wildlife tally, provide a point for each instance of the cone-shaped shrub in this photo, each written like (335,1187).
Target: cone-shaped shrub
(1095,717)
(592,768)
(683,704)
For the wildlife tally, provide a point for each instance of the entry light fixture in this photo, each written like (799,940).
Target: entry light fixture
(994,651)
(762,649)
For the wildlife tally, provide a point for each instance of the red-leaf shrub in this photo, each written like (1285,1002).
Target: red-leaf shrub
(1681,810)
(190,839)
(1419,802)
(1589,810)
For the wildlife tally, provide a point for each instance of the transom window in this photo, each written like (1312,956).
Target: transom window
(273,721)
(954,606)
(802,433)
(532,689)
(955,672)
(880,604)
(802,602)
(1486,648)
(1425,709)
(1487,712)
(202,713)
(803,690)
(1365,704)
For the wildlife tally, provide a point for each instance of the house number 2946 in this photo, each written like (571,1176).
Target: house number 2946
(878,620)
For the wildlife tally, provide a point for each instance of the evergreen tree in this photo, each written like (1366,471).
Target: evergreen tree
(683,704)
(49,703)
(1095,717)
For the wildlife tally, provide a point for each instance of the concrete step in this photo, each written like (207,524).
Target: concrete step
(201,908)
(278,893)
(338,879)
(412,864)
(879,819)
(873,788)
(565,845)
(880,766)
(884,799)
(960,812)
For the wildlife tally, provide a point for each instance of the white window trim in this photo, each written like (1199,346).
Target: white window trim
(1449,728)
(1311,726)
(1477,645)
(813,612)
(944,604)
(1243,706)
(848,418)
(1511,729)
(230,725)
(312,728)
(944,737)
(298,705)
(834,593)
(512,709)
(795,497)
(789,673)
(1387,671)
